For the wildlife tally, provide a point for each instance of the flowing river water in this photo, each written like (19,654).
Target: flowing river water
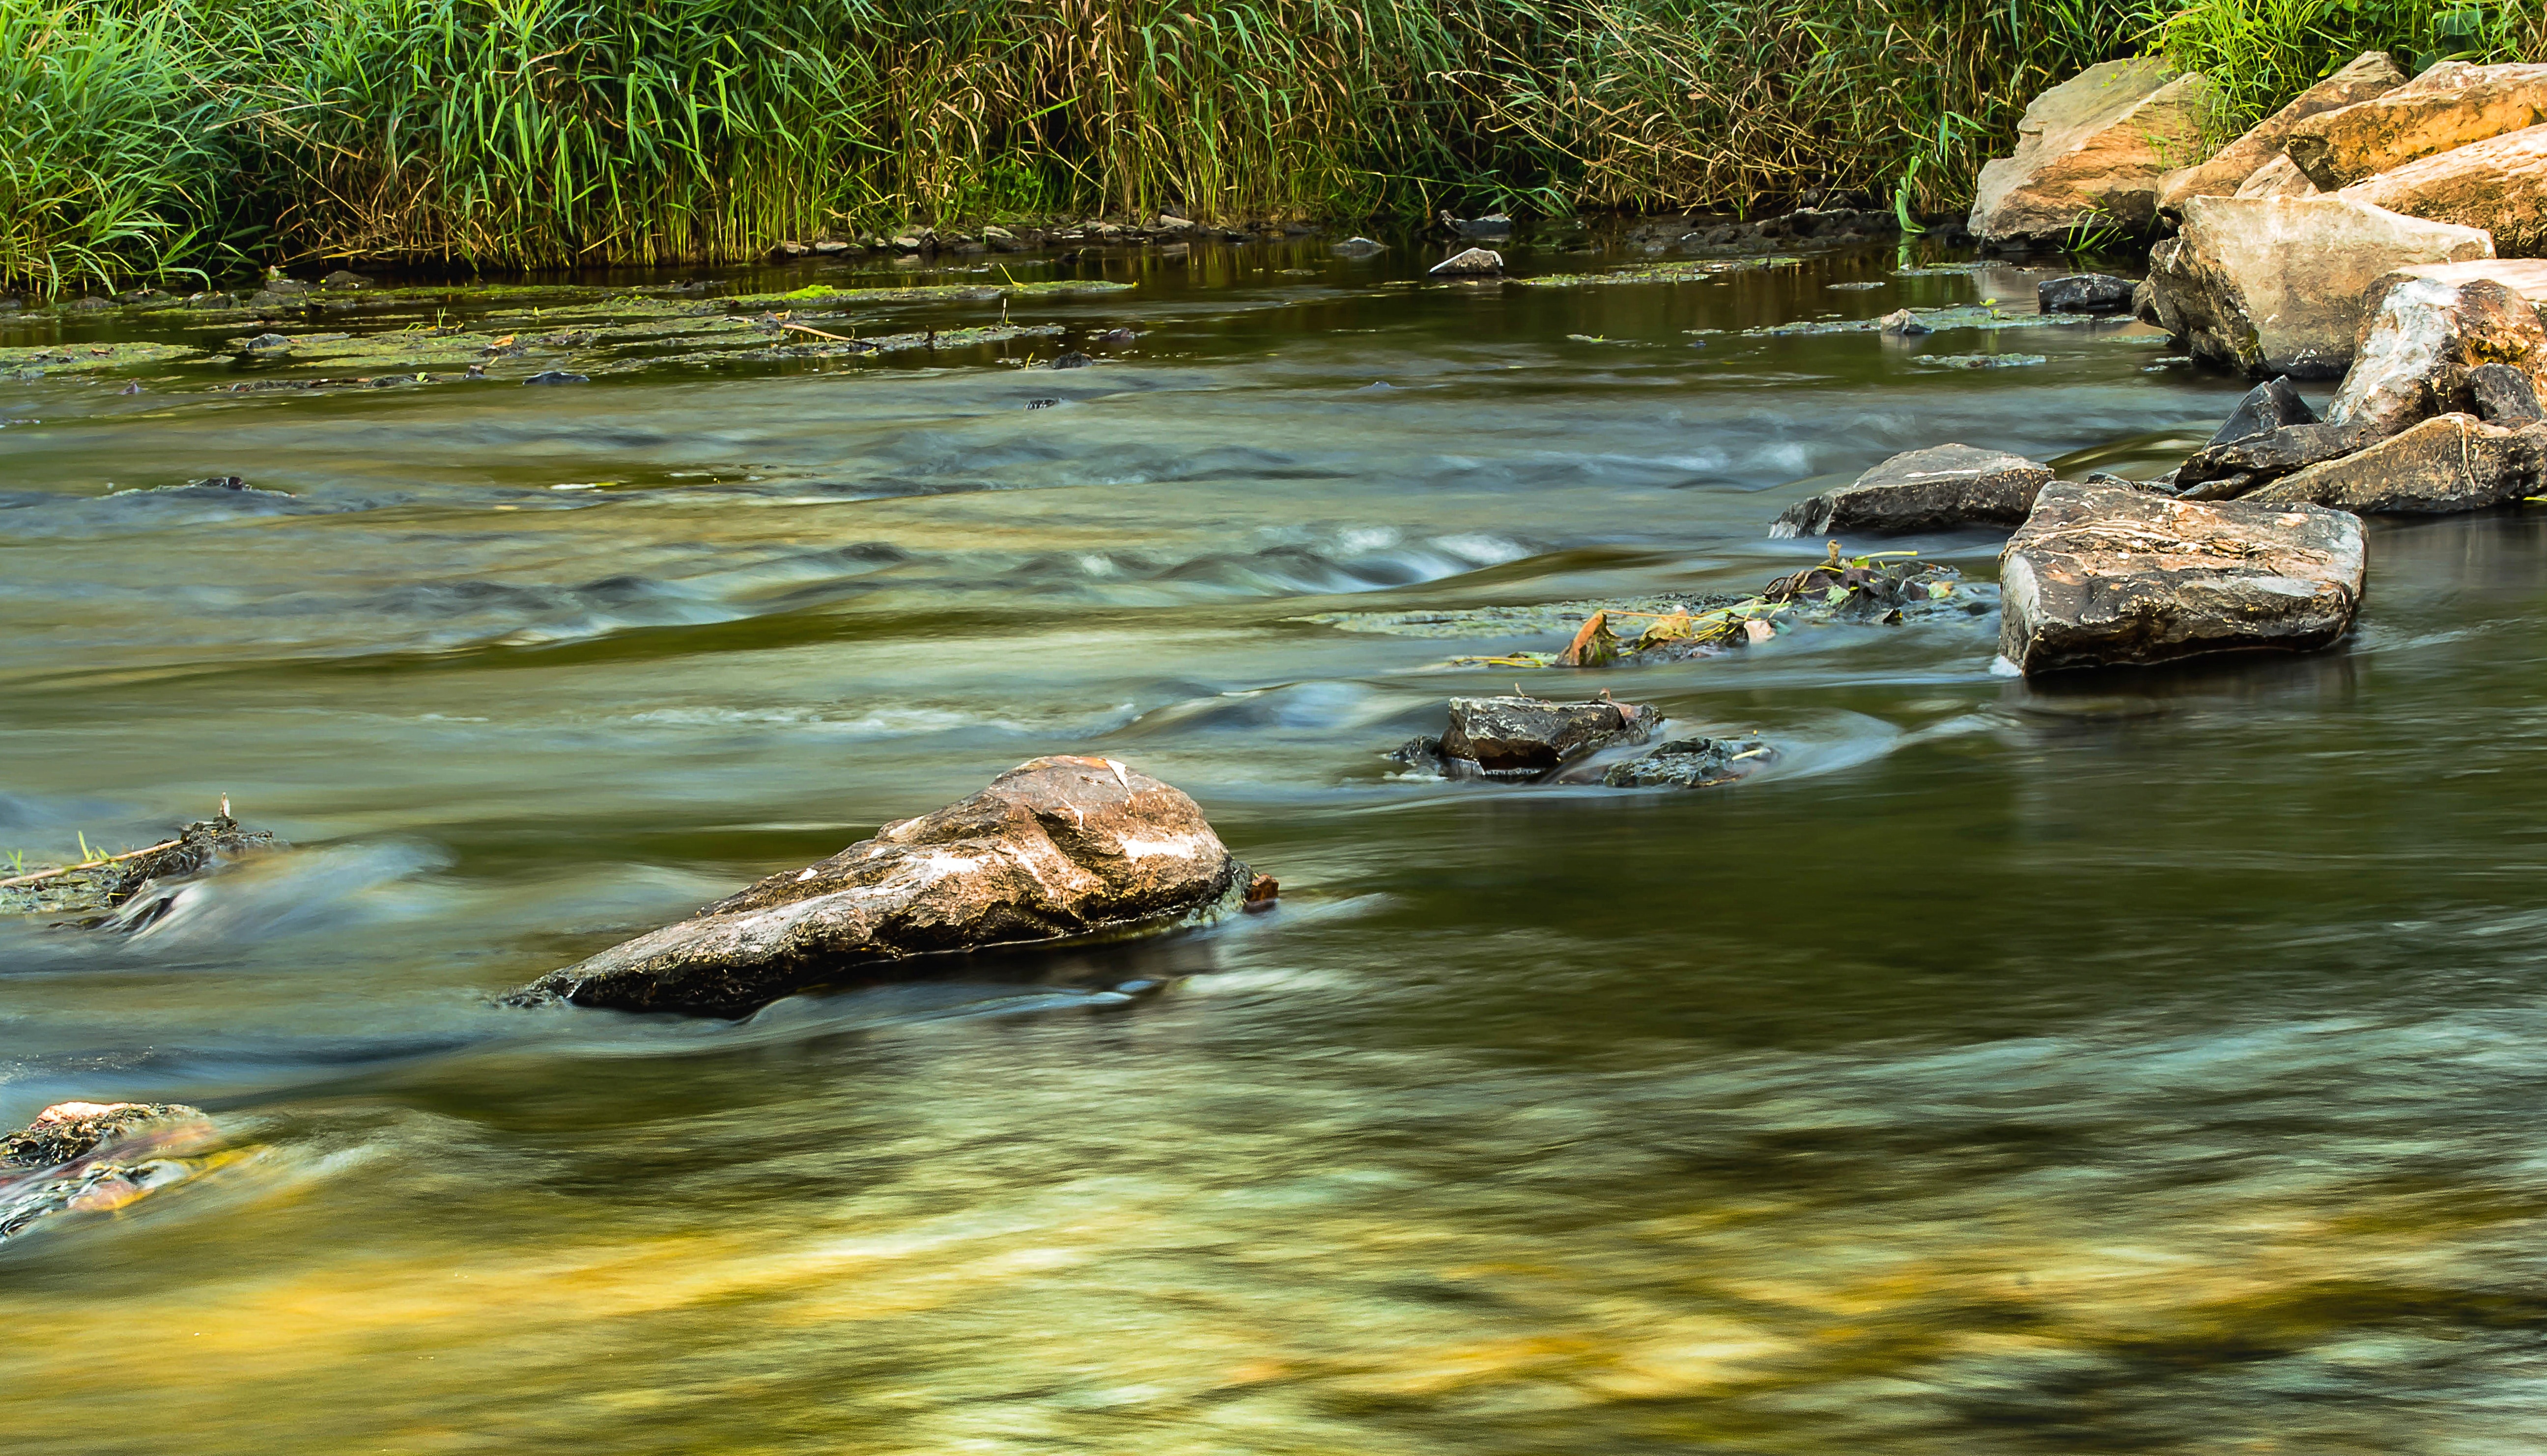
(2148,1063)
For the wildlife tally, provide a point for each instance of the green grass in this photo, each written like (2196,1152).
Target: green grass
(140,136)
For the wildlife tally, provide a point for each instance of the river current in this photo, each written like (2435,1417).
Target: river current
(2146,1063)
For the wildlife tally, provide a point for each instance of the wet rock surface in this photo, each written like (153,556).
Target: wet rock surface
(1054,849)
(2504,396)
(1524,737)
(1471,263)
(2224,471)
(2084,293)
(2279,284)
(2448,463)
(2425,338)
(1691,763)
(93,1158)
(2103,575)
(1941,488)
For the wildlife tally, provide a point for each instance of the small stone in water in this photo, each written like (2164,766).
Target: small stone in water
(557,377)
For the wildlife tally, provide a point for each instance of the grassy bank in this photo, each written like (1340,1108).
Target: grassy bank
(138,137)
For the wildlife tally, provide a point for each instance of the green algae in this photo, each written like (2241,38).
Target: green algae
(1698,271)
(1938,321)
(1977,360)
(984,291)
(35,361)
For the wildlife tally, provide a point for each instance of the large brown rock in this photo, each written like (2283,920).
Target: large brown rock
(2499,184)
(2424,338)
(2275,284)
(2448,105)
(1940,488)
(1054,848)
(2280,177)
(2225,172)
(2105,574)
(2090,151)
(2448,463)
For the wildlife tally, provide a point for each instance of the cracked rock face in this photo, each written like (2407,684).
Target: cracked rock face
(1053,848)
(2105,575)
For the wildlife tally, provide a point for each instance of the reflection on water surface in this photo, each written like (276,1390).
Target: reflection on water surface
(2139,1063)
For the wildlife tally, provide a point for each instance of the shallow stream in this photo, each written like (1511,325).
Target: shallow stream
(2148,1063)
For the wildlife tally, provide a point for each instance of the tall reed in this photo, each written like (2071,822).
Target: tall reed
(137,135)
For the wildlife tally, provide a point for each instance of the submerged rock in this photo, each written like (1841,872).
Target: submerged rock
(1691,763)
(2448,463)
(2227,171)
(558,377)
(1941,488)
(344,278)
(2426,337)
(1358,247)
(1053,849)
(91,1158)
(2448,105)
(2102,576)
(2084,293)
(1474,263)
(2091,150)
(2276,285)
(1526,739)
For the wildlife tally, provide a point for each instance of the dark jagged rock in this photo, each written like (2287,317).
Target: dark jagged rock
(1072,359)
(2145,304)
(2100,575)
(1943,488)
(1523,738)
(1691,763)
(2268,406)
(2504,396)
(93,1158)
(2448,463)
(344,278)
(2226,471)
(1053,849)
(557,377)
(1358,247)
(2084,293)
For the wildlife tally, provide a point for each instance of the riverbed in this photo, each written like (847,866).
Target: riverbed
(2140,1063)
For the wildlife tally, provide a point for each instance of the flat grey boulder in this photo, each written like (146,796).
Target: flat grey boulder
(2425,337)
(2091,150)
(2103,575)
(2276,285)
(1942,489)
(2448,463)
(2225,172)
(2448,105)
(1053,849)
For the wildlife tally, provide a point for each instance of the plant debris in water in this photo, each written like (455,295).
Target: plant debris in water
(1960,316)
(1977,360)
(97,885)
(1880,586)
(1691,272)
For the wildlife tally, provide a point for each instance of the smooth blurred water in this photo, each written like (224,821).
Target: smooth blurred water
(2146,1062)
